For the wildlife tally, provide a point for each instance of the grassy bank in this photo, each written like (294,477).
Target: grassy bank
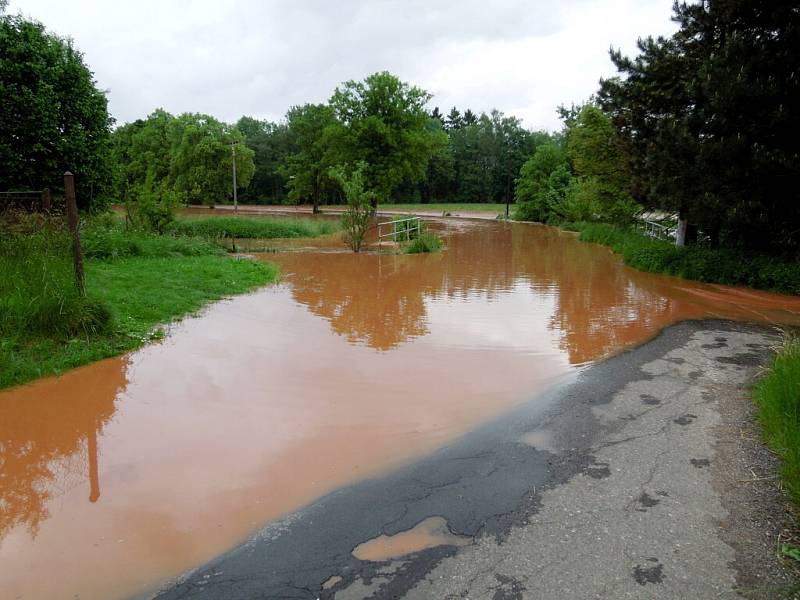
(777,397)
(721,265)
(135,282)
(254,228)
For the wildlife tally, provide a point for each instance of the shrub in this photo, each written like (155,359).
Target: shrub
(425,242)
(154,207)
(355,219)
(713,265)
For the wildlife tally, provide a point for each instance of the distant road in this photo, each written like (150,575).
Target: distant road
(307,210)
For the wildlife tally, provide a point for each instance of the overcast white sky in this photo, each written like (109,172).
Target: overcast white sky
(258,57)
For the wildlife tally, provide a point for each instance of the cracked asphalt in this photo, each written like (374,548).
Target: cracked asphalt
(616,502)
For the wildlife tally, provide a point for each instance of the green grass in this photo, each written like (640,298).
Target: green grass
(777,397)
(427,242)
(110,242)
(135,283)
(256,227)
(717,265)
(38,294)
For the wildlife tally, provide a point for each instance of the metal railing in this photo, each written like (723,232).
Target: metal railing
(656,230)
(414,224)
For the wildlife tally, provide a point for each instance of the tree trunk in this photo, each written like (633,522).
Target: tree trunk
(680,234)
(315,195)
(683,224)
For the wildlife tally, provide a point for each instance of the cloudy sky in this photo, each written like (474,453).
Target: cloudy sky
(258,57)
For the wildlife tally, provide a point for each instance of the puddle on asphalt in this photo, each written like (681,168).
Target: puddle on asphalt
(541,439)
(429,533)
(122,474)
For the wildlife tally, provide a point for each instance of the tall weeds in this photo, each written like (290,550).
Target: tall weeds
(778,399)
(38,294)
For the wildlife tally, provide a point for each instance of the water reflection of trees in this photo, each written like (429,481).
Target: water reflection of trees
(380,300)
(601,306)
(377,300)
(48,441)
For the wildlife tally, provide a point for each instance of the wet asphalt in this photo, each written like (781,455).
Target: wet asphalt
(483,484)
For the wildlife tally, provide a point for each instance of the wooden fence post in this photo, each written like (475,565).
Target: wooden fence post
(72,219)
(46,202)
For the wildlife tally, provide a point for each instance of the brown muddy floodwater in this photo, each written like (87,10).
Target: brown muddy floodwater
(122,474)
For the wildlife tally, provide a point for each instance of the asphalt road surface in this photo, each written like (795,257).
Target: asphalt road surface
(601,488)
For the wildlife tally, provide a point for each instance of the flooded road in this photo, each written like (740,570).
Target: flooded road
(119,475)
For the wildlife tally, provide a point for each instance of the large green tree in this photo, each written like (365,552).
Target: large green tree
(385,125)
(542,184)
(53,117)
(142,151)
(599,163)
(189,157)
(202,154)
(271,144)
(313,131)
(488,152)
(710,119)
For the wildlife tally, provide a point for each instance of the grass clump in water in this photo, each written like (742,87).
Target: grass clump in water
(261,228)
(425,242)
(777,397)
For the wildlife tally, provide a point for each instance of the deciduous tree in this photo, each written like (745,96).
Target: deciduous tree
(53,117)
(386,126)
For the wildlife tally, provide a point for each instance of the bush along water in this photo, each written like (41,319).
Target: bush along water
(713,265)
(425,242)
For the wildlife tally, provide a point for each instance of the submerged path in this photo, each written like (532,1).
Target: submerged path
(630,481)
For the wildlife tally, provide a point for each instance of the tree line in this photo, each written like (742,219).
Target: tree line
(409,154)
(702,124)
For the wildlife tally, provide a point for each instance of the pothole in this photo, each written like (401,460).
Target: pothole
(429,533)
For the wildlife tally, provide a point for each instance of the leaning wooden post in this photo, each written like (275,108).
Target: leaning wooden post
(46,202)
(72,219)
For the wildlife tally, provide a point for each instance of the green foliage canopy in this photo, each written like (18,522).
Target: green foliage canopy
(599,164)
(710,121)
(385,125)
(171,159)
(271,144)
(52,116)
(543,181)
(312,127)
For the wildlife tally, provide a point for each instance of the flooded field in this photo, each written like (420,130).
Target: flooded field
(122,474)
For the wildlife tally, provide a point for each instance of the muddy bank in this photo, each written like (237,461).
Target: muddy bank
(625,502)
